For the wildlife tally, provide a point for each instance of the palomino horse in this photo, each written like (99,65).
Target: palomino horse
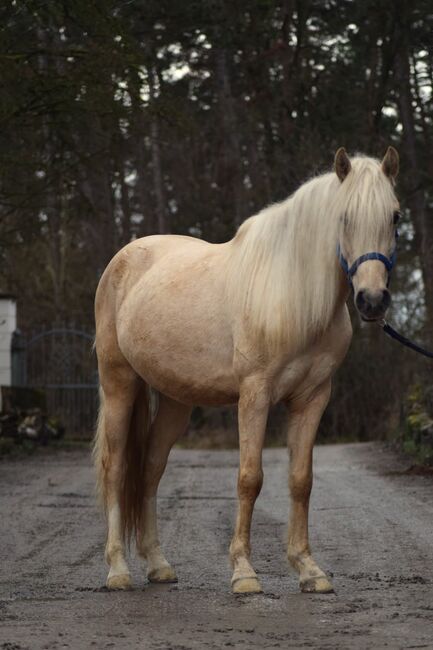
(257,320)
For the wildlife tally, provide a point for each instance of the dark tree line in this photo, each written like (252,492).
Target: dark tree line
(120,119)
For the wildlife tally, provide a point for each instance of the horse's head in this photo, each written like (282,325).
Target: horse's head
(369,211)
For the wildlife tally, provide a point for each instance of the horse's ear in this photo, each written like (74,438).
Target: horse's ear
(342,164)
(390,163)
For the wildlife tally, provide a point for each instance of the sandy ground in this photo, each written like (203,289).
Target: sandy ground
(371,528)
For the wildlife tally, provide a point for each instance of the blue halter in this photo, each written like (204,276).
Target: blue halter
(351,270)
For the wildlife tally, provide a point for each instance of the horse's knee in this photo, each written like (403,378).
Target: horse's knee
(250,483)
(300,484)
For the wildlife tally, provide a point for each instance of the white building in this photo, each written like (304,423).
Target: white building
(8,325)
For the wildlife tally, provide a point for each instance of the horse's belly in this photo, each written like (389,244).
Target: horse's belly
(188,387)
(192,375)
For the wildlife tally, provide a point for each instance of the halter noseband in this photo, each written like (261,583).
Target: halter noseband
(351,270)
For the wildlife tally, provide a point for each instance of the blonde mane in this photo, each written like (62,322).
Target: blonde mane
(283,273)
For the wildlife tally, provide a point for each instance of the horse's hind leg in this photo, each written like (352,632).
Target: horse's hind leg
(303,422)
(119,386)
(170,422)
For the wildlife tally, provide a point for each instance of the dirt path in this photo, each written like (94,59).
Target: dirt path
(372,527)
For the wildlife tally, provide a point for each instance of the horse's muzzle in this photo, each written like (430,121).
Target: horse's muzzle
(372,305)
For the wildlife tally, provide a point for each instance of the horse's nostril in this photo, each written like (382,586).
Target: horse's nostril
(386,299)
(360,300)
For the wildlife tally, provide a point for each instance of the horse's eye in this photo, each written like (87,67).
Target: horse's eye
(396,217)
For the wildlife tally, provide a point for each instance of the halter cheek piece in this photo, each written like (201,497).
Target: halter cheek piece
(351,270)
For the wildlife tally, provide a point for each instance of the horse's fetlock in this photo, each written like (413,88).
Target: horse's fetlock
(147,548)
(113,551)
(239,549)
(297,556)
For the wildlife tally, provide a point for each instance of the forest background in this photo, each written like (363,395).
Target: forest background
(124,118)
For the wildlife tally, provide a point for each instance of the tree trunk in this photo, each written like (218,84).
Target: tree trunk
(231,144)
(126,207)
(158,182)
(55,249)
(422,220)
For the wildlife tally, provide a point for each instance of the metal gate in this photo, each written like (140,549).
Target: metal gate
(60,361)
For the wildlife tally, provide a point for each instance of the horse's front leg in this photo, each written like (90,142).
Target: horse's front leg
(303,422)
(252,416)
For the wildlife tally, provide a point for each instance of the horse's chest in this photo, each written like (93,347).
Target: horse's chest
(302,376)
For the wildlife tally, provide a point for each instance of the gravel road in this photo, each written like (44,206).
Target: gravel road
(371,528)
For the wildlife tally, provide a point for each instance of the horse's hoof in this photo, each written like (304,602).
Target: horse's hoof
(246,586)
(162,575)
(317,586)
(120,581)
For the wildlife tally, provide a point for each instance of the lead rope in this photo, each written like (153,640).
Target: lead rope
(390,331)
